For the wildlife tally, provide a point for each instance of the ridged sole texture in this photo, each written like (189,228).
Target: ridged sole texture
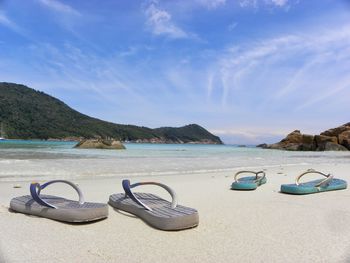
(67,210)
(162,215)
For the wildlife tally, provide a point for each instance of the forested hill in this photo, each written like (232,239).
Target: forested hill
(29,114)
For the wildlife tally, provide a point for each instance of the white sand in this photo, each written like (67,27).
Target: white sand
(255,226)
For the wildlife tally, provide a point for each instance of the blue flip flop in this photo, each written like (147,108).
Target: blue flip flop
(249,182)
(321,185)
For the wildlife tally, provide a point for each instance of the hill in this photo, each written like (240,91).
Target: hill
(29,114)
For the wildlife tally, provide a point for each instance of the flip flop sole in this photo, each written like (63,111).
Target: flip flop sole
(67,210)
(247,183)
(162,215)
(309,187)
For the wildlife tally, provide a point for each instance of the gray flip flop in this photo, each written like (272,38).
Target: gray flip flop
(154,210)
(58,208)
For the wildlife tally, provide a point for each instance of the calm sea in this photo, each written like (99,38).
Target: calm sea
(31,160)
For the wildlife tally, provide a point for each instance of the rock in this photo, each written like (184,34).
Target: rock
(321,141)
(336,131)
(263,145)
(307,139)
(295,141)
(293,137)
(344,139)
(308,147)
(293,147)
(330,146)
(242,145)
(100,144)
(336,139)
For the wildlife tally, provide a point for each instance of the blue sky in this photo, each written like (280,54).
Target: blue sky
(249,71)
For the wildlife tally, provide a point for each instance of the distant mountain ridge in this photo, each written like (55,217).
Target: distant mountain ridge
(29,114)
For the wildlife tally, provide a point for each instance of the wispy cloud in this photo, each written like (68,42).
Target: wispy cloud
(279,2)
(212,4)
(160,22)
(337,89)
(248,3)
(262,3)
(60,7)
(232,26)
(241,67)
(7,22)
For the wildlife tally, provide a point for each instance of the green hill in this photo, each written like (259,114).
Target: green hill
(29,114)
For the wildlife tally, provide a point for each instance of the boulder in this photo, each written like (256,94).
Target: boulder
(336,139)
(330,146)
(293,147)
(336,131)
(100,144)
(321,140)
(307,139)
(344,139)
(293,137)
(295,141)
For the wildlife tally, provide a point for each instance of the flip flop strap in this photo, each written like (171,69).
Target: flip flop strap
(128,193)
(329,177)
(35,189)
(257,177)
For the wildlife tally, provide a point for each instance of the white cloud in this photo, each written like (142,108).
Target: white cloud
(160,23)
(248,3)
(279,2)
(212,4)
(59,7)
(259,3)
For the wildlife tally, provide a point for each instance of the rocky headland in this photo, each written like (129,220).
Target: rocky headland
(335,139)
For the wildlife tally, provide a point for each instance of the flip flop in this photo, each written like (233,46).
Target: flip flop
(249,182)
(154,210)
(58,208)
(322,185)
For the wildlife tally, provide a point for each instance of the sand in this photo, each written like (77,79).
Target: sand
(255,226)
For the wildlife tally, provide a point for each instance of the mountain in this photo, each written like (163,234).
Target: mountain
(29,114)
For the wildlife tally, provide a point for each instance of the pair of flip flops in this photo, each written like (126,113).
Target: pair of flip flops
(329,183)
(154,210)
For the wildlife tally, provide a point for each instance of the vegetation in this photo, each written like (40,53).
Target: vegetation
(29,114)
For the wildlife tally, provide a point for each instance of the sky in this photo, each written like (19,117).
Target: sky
(250,71)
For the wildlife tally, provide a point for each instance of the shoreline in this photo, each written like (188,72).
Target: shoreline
(126,142)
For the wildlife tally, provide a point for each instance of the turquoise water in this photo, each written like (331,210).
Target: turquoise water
(32,159)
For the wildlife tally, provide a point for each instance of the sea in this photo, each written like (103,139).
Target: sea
(41,160)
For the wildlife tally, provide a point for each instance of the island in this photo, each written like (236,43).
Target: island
(26,113)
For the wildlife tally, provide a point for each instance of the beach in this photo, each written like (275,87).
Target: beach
(235,226)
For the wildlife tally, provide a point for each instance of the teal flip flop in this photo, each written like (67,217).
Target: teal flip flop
(249,182)
(321,185)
